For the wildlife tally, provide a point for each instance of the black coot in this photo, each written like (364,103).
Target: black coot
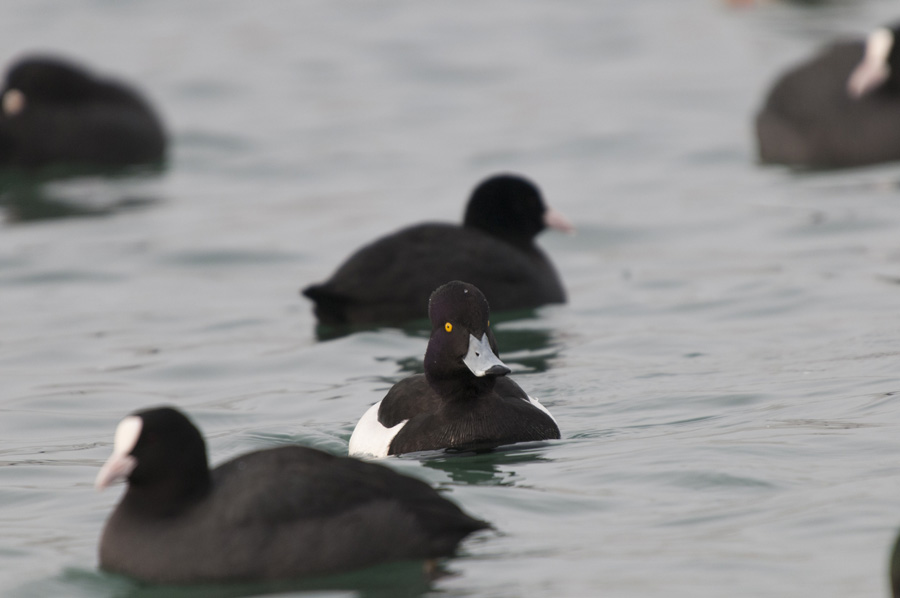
(281,513)
(390,280)
(840,109)
(56,113)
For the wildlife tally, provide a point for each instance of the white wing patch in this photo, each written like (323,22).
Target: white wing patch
(370,438)
(537,404)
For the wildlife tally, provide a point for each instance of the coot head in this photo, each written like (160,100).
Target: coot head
(159,452)
(879,69)
(462,347)
(45,79)
(512,208)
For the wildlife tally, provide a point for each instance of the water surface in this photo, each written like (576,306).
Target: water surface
(725,374)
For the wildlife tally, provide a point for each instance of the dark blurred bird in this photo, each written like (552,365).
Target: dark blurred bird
(839,109)
(894,571)
(57,113)
(390,280)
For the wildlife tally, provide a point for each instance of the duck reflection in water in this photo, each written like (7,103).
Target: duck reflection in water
(486,469)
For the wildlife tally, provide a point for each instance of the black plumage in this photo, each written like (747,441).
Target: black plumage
(451,406)
(391,279)
(281,513)
(819,115)
(57,113)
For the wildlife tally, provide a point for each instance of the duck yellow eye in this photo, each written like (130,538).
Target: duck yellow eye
(448,326)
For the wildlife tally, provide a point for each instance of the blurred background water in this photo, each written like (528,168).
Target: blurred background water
(725,374)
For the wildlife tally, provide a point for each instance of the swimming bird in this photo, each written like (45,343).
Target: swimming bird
(390,280)
(839,109)
(464,400)
(280,513)
(54,112)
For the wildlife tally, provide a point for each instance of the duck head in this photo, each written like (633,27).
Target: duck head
(462,351)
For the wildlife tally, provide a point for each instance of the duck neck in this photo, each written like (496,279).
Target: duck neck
(460,388)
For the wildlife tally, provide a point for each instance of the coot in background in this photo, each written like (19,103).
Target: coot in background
(57,113)
(391,279)
(840,109)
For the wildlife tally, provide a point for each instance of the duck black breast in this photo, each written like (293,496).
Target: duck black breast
(281,513)
(55,112)
(463,401)
(839,109)
(391,279)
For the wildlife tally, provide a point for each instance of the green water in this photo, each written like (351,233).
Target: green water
(725,374)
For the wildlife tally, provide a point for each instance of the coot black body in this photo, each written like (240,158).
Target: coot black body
(840,109)
(464,401)
(57,113)
(391,279)
(282,513)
